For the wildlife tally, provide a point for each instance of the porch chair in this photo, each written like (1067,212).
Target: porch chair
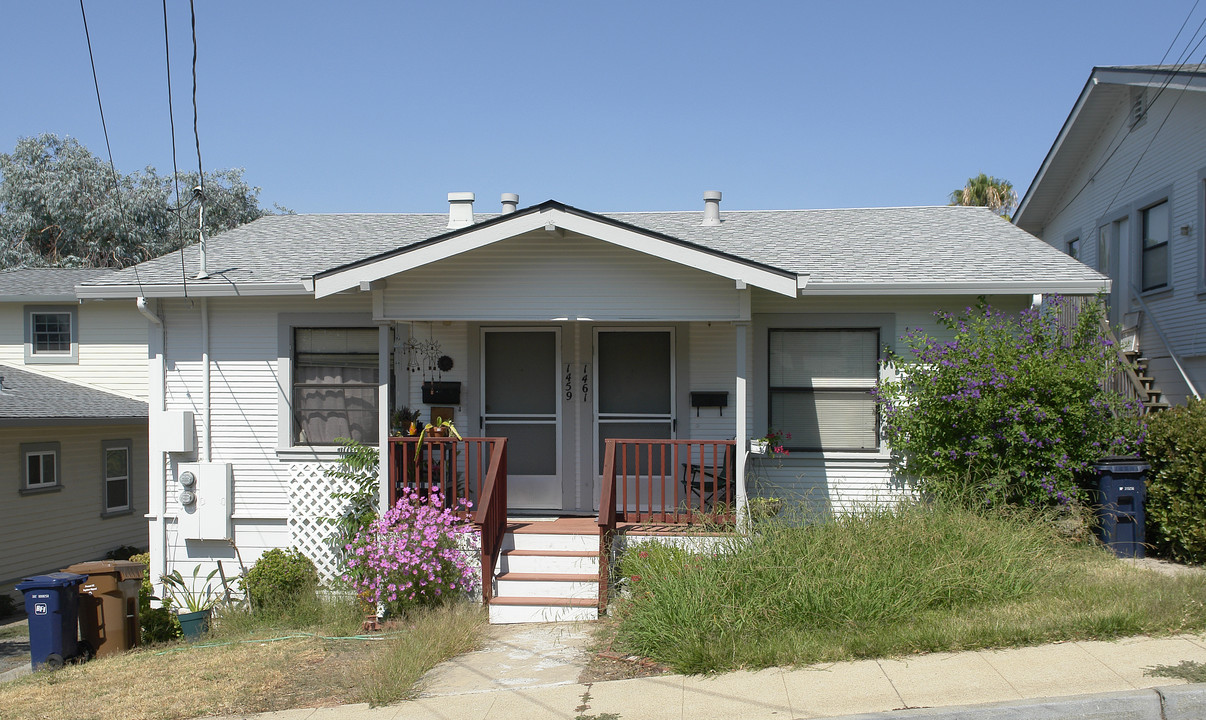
(709,482)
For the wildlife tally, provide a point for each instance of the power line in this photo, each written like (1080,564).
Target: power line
(178,210)
(121,213)
(196,136)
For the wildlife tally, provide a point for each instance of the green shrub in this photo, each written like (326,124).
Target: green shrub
(159,624)
(1011,409)
(123,552)
(1176,484)
(280,577)
(8,605)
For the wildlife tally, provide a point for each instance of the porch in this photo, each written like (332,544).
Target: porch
(541,567)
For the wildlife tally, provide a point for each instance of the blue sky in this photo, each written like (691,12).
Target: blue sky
(388,106)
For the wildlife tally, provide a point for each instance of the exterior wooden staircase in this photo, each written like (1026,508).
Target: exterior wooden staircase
(1148,392)
(548,571)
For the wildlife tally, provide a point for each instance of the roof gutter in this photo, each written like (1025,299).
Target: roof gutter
(1021,287)
(194,290)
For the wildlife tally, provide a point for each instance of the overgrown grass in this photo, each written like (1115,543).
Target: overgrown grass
(883,582)
(290,658)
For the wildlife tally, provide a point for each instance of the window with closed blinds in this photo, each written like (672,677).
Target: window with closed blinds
(820,383)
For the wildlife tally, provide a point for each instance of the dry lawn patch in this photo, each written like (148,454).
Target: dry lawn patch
(177,681)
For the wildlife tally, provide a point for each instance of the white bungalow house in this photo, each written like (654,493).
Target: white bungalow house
(1123,188)
(73,423)
(606,369)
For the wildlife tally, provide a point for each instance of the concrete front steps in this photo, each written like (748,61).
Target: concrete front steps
(548,571)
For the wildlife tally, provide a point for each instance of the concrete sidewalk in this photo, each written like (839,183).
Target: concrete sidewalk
(1103,680)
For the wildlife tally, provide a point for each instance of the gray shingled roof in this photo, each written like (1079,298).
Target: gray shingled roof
(43,284)
(27,398)
(883,246)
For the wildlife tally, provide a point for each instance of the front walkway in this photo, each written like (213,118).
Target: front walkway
(1013,677)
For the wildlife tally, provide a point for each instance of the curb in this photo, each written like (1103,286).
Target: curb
(1171,702)
(17,672)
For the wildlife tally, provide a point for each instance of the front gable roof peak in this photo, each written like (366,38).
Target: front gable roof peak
(555,216)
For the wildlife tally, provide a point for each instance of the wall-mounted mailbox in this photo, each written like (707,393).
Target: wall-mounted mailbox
(442,393)
(717,399)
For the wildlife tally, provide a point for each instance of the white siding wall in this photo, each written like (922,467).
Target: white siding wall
(542,276)
(246,393)
(711,367)
(841,480)
(453,338)
(1177,157)
(112,346)
(45,532)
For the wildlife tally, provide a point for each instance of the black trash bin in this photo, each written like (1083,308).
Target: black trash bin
(1121,492)
(52,603)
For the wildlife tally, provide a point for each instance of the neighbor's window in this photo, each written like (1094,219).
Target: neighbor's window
(820,388)
(335,382)
(117,475)
(51,334)
(39,466)
(1155,246)
(1074,248)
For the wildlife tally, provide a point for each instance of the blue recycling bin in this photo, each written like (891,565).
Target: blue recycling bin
(52,603)
(1121,493)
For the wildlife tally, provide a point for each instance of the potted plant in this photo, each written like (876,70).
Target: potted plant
(194,604)
(771,442)
(404,422)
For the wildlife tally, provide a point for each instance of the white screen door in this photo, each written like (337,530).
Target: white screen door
(520,402)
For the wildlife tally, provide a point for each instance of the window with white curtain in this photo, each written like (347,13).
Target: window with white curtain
(335,385)
(820,384)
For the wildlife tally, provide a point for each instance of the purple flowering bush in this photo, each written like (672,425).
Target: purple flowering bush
(1011,409)
(414,555)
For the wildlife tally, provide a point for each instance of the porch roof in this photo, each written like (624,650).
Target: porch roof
(857,251)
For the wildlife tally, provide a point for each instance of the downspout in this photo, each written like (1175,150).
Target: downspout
(156,404)
(209,455)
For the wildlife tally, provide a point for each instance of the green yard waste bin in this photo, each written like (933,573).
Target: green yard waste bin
(109,604)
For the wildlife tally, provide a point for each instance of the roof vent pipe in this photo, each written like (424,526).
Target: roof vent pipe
(711,208)
(460,209)
(510,203)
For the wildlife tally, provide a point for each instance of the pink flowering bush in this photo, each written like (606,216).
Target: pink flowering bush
(413,554)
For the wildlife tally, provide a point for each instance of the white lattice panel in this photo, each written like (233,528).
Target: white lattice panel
(310,502)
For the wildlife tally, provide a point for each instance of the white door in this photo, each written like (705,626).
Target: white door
(520,402)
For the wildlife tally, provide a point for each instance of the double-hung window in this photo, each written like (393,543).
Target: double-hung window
(335,385)
(117,486)
(1154,260)
(51,334)
(820,384)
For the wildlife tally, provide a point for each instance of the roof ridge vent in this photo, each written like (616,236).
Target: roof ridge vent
(460,209)
(711,208)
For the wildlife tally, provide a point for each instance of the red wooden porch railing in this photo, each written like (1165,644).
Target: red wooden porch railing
(473,469)
(663,481)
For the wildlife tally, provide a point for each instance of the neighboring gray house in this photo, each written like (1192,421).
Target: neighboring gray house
(1123,189)
(73,423)
(561,328)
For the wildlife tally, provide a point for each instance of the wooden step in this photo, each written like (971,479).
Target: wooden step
(510,610)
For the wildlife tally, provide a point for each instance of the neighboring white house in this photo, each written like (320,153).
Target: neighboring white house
(73,423)
(1123,189)
(562,327)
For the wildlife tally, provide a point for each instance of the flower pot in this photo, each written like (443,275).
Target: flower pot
(437,432)
(194,624)
(758,447)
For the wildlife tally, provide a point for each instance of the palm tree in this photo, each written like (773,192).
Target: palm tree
(990,192)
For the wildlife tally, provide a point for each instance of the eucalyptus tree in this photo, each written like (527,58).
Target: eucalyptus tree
(61,205)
